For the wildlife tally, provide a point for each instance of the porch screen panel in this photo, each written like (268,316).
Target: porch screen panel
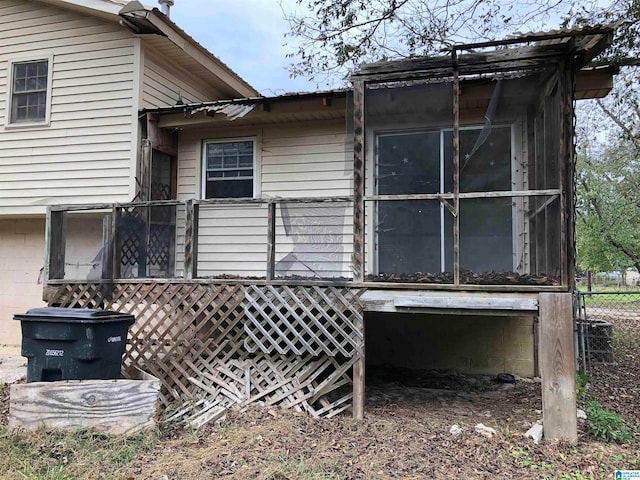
(404,121)
(409,232)
(232,240)
(314,240)
(486,224)
(85,244)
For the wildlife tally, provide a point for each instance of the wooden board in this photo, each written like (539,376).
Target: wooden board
(477,303)
(557,367)
(115,407)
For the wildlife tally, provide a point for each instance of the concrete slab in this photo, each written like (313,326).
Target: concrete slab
(13,367)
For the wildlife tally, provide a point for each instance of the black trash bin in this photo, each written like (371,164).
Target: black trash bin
(73,343)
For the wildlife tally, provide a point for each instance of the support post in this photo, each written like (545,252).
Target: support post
(106,263)
(55,242)
(271,240)
(557,367)
(456,168)
(358,372)
(358,181)
(191,241)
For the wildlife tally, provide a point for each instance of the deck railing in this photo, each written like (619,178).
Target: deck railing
(260,239)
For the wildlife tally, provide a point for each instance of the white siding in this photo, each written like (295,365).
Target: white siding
(163,85)
(310,160)
(85,154)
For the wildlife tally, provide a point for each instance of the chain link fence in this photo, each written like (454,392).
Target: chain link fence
(599,314)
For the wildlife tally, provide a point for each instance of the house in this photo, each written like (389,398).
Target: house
(271,246)
(74,76)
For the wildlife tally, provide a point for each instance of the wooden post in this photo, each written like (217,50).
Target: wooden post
(271,240)
(55,244)
(557,367)
(358,181)
(456,169)
(191,241)
(144,183)
(106,287)
(358,373)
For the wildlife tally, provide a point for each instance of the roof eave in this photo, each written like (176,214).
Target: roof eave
(155,22)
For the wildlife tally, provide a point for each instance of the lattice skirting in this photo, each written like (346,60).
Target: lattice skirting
(234,344)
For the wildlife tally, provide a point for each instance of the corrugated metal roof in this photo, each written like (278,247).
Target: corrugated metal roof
(219,105)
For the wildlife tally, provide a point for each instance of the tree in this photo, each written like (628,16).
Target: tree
(332,37)
(608,181)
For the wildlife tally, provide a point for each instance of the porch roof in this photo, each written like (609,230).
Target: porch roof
(533,51)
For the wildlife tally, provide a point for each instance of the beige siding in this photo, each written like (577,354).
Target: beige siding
(292,161)
(21,258)
(86,154)
(163,85)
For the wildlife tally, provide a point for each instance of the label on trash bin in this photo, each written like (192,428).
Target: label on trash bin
(54,353)
(117,339)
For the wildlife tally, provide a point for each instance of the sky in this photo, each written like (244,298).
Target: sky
(247,35)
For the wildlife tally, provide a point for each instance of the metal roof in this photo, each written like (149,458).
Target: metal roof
(519,53)
(221,104)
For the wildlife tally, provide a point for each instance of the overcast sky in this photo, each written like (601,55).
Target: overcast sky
(247,35)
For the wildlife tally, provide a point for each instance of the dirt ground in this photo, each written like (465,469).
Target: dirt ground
(405,434)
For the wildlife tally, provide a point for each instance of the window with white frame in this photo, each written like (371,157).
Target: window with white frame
(29,91)
(229,167)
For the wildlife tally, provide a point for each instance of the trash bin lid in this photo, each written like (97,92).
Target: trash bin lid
(73,315)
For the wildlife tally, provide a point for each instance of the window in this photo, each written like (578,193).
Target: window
(29,91)
(417,235)
(229,168)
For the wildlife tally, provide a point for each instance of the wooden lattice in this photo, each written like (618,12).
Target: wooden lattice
(218,345)
(301,321)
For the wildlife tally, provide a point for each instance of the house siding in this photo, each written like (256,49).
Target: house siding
(311,160)
(85,154)
(164,85)
(21,258)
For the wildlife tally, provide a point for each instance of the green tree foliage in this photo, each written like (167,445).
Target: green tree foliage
(608,187)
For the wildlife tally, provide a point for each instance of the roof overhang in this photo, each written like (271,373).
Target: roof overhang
(155,27)
(290,108)
(106,9)
(516,55)
(158,31)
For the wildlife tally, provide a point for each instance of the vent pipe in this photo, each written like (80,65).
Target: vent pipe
(165,6)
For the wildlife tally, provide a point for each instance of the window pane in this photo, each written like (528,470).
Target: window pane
(245,161)
(230,162)
(41,83)
(230,189)
(32,69)
(19,85)
(29,96)
(214,162)
(409,163)
(214,149)
(20,70)
(226,163)
(485,159)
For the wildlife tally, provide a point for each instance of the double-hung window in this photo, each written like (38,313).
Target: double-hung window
(229,167)
(29,92)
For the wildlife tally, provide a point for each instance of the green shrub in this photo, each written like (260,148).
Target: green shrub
(605,424)
(582,381)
